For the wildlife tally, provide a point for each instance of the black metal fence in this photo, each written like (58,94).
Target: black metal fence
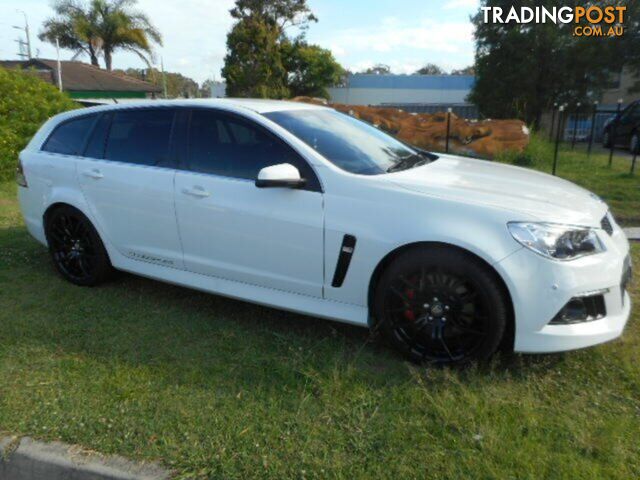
(584,125)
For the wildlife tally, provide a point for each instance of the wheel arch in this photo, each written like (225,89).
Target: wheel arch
(509,335)
(60,204)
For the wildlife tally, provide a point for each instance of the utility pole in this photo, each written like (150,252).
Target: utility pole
(164,78)
(59,64)
(21,42)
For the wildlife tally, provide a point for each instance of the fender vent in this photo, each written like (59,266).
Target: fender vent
(605,223)
(344,259)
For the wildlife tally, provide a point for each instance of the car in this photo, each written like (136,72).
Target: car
(625,126)
(303,208)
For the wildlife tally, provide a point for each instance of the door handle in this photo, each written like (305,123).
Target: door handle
(196,192)
(93,173)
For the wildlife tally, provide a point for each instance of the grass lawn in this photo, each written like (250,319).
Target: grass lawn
(614,184)
(216,388)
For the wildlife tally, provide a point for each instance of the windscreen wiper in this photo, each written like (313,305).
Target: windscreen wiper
(408,162)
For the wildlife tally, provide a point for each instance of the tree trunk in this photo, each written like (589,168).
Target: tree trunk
(94,57)
(107,59)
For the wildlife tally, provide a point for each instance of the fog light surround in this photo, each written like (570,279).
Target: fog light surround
(583,308)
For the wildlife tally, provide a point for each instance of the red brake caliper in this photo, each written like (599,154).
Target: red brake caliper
(408,313)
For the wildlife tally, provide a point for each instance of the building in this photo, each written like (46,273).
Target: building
(86,83)
(414,93)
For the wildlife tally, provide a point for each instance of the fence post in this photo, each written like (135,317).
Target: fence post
(555,153)
(446,148)
(612,140)
(593,127)
(553,120)
(575,126)
(633,162)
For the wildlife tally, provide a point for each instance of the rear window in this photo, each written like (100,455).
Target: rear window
(69,137)
(140,136)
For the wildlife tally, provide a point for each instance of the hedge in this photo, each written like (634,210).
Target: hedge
(26,102)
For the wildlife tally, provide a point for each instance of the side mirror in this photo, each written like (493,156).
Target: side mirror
(283,175)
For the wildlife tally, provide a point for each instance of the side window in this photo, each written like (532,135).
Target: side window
(98,138)
(69,137)
(140,136)
(232,147)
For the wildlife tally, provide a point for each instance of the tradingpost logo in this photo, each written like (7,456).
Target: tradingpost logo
(591,21)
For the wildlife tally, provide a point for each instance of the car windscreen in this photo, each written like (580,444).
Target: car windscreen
(351,144)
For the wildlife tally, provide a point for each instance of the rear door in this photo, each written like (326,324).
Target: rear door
(271,237)
(127,176)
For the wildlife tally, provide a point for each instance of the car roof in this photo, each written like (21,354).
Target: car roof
(256,105)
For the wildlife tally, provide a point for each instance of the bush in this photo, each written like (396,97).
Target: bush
(26,102)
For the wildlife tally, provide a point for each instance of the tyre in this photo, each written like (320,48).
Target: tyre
(441,306)
(634,143)
(606,139)
(75,247)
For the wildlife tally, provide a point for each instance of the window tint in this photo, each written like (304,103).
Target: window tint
(140,136)
(98,139)
(69,137)
(228,146)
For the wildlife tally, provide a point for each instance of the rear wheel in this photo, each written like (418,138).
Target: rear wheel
(75,246)
(442,306)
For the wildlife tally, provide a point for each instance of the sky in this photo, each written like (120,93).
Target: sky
(404,34)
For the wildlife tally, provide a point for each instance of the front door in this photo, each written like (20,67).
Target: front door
(270,237)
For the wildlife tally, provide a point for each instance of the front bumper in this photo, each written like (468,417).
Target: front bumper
(540,288)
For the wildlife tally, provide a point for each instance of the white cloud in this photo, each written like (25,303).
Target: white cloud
(465,4)
(392,35)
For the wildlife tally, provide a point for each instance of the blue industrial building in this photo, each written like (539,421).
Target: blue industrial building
(416,93)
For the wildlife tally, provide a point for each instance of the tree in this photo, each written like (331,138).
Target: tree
(378,69)
(522,69)
(253,65)
(65,27)
(470,70)
(263,61)
(310,69)
(430,69)
(178,86)
(102,27)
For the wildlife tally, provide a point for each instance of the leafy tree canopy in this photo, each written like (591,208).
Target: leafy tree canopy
(100,28)
(521,70)
(378,69)
(430,69)
(263,61)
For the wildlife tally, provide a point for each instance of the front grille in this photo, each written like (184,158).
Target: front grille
(605,223)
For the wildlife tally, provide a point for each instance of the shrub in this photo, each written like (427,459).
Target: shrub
(26,102)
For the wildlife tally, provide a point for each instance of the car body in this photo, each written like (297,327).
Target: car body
(321,248)
(625,127)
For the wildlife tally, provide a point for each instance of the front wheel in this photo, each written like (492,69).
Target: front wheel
(442,306)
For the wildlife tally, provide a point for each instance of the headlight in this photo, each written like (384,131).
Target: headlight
(560,242)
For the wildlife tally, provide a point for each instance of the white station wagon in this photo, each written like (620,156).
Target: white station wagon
(300,207)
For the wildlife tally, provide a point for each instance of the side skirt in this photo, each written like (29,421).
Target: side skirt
(293,302)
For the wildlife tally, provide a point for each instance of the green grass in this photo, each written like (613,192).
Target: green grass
(614,184)
(216,388)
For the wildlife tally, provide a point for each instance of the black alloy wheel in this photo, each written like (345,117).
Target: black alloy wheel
(76,249)
(441,306)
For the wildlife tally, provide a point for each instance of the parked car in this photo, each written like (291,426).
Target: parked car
(300,207)
(625,126)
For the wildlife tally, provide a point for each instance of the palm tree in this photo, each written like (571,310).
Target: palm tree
(102,27)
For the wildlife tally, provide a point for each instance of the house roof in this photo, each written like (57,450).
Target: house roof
(79,76)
